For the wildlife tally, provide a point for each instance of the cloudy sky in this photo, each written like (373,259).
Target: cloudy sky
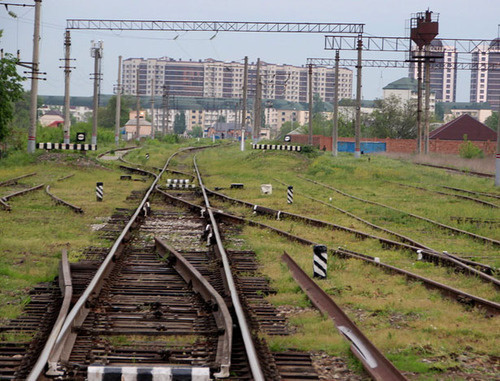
(458,19)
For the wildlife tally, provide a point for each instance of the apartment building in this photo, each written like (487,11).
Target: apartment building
(218,79)
(485,84)
(443,72)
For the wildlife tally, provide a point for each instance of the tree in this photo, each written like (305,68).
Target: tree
(107,115)
(10,91)
(393,118)
(492,121)
(196,132)
(180,123)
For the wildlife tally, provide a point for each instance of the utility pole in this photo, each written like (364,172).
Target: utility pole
(244,105)
(96,52)
(137,108)
(497,160)
(419,101)
(357,127)
(427,65)
(335,131)
(310,138)
(118,102)
(153,107)
(257,106)
(34,80)
(165,110)
(67,71)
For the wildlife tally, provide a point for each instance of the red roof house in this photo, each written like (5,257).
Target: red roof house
(464,125)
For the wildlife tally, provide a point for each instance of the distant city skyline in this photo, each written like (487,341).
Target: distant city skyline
(458,19)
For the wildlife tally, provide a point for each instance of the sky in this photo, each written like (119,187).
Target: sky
(457,19)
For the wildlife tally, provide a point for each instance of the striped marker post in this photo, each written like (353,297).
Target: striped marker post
(289,195)
(99,192)
(129,373)
(320,261)
(147,156)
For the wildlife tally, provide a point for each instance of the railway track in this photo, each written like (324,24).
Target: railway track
(145,312)
(460,171)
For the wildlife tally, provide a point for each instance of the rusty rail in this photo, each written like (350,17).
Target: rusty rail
(66,286)
(473,192)
(461,171)
(374,362)
(217,305)
(4,205)
(251,352)
(21,192)
(59,201)
(66,177)
(428,255)
(14,180)
(492,308)
(476,200)
(455,230)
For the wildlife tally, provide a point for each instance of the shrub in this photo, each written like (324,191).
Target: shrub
(468,150)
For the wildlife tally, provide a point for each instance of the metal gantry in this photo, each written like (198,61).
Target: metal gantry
(404,44)
(404,64)
(214,26)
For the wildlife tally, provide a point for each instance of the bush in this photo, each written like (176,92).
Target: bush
(468,150)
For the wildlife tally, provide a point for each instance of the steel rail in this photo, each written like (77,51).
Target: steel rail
(116,150)
(401,237)
(66,177)
(66,286)
(4,205)
(57,200)
(139,171)
(20,193)
(461,171)
(217,304)
(455,294)
(491,205)
(473,192)
(428,255)
(255,367)
(460,231)
(374,362)
(14,179)
(66,338)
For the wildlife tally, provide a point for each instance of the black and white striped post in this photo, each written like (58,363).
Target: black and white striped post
(147,156)
(289,195)
(99,192)
(320,261)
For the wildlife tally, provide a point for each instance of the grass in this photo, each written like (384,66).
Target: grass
(406,321)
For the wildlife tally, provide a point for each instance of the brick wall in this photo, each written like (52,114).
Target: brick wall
(400,145)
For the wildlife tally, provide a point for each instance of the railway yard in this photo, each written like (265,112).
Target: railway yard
(192,266)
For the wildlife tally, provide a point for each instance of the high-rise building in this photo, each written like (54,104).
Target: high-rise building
(443,78)
(217,79)
(485,84)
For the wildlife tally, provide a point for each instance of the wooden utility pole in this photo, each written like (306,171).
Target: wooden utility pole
(257,105)
(310,137)
(244,105)
(153,107)
(118,102)
(137,108)
(34,80)
(67,71)
(335,131)
(357,127)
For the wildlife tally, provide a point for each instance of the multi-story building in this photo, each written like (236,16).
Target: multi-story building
(443,72)
(406,89)
(485,84)
(217,79)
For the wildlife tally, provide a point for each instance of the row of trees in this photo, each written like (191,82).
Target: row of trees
(392,118)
